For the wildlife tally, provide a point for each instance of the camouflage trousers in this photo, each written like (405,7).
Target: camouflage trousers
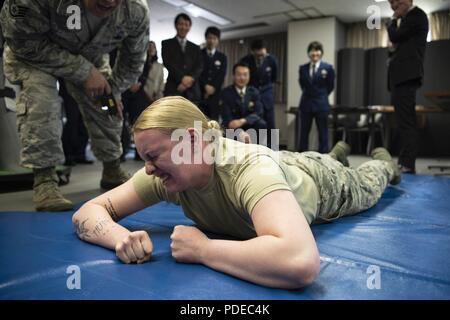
(344,191)
(39,118)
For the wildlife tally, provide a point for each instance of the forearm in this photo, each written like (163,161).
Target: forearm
(251,119)
(94,223)
(160,91)
(402,33)
(132,56)
(218,82)
(226,119)
(127,71)
(198,68)
(168,61)
(330,86)
(265,260)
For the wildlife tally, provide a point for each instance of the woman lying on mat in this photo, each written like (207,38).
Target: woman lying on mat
(262,198)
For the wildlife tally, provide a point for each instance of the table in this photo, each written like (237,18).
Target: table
(372,111)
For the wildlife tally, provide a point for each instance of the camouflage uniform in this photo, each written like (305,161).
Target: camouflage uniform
(41,48)
(343,191)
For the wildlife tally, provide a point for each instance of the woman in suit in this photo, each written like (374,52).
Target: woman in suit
(317,82)
(154,84)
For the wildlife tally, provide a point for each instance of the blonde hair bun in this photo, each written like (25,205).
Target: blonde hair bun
(212,124)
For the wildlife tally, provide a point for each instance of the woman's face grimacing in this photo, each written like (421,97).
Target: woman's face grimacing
(156,148)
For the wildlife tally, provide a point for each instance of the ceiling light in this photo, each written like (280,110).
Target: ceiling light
(198,12)
(176,3)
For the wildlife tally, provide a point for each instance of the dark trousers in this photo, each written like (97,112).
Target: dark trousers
(267,100)
(269,117)
(306,119)
(210,107)
(258,125)
(75,136)
(403,97)
(133,105)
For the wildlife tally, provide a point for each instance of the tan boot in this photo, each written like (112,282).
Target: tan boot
(113,175)
(340,152)
(47,196)
(383,154)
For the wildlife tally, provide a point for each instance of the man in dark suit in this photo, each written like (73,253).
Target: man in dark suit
(317,82)
(408,30)
(241,106)
(263,74)
(213,74)
(183,60)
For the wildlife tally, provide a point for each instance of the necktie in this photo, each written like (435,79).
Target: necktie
(314,70)
(210,54)
(183,44)
(242,95)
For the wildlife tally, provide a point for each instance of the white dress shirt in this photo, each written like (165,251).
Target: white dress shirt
(311,68)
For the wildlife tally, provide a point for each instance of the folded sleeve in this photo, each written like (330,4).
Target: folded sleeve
(258,177)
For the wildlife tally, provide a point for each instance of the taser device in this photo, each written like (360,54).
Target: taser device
(109,104)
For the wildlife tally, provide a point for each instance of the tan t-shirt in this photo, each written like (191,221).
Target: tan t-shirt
(243,174)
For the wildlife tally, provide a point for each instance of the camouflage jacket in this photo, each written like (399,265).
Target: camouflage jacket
(37,33)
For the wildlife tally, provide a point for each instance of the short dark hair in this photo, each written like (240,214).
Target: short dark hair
(240,65)
(155,57)
(183,16)
(257,44)
(315,45)
(214,31)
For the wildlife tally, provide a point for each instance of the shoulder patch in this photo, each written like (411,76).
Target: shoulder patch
(16,11)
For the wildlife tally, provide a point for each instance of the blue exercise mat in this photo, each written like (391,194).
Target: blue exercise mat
(399,249)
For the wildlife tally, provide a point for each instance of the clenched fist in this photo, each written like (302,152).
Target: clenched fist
(135,248)
(188,244)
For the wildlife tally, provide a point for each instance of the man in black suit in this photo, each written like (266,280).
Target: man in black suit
(183,60)
(408,30)
(213,74)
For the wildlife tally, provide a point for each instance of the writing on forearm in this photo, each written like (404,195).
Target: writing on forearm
(112,212)
(101,228)
(81,230)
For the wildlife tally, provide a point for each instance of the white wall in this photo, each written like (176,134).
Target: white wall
(331,34)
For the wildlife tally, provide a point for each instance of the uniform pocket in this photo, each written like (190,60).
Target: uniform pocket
(22,104)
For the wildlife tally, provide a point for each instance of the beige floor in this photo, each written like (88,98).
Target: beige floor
(84,183)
